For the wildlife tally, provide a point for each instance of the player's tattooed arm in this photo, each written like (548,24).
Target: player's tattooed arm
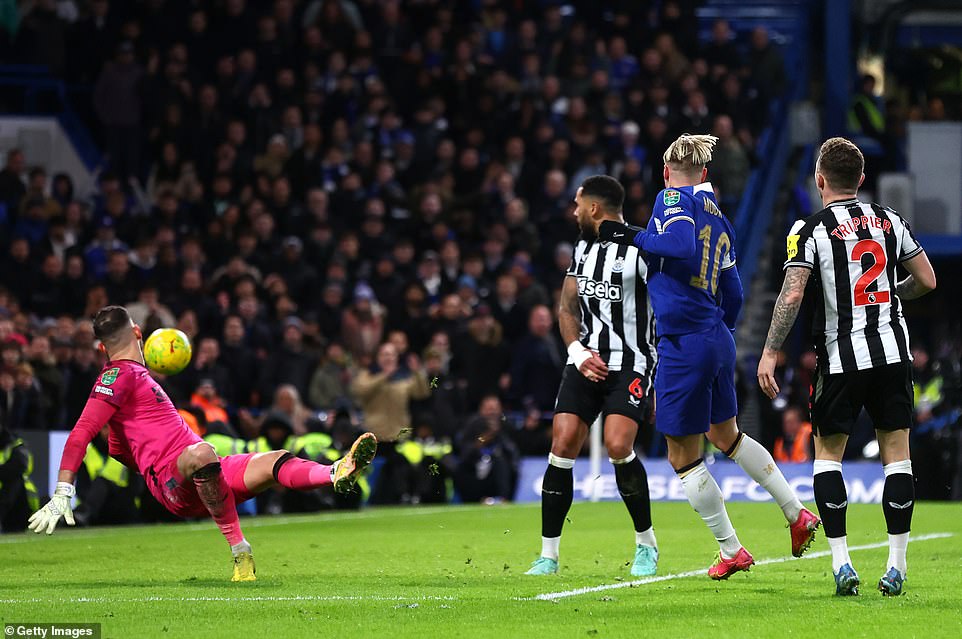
(569,313)
(921,278)
(909,288)
(786,306)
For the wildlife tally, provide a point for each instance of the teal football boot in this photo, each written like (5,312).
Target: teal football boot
(543,566)
(646,561)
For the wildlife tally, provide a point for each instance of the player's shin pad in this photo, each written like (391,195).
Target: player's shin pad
(219,500)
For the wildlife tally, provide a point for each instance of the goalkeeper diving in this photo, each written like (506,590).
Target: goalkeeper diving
(181,470)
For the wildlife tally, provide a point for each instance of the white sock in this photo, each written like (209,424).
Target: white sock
(897,546)
(706,498)
(646,538)
(839,546)
(549,547)
(758,463)
(243,546)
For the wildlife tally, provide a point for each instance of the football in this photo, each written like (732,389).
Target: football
(167,351)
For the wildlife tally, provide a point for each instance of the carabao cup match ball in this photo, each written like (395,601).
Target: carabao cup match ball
(167,351)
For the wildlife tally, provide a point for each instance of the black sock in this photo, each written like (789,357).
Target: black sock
(633,487)
(557,492)
(832,501)
(898,502)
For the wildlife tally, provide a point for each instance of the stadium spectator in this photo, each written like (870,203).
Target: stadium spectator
(482,357)
(12,188)
(49,376)
(362,326)
(795,443)
(148,312)
(532,435)
(537,362)
(206,398)
(487,458)
(771,409)
(937,415)
(107,492)
(18,495)
(330,383)
(721,50)
(384,392)
(767,66)
(205,365)
(420,470)
(21,401)
(117,100)
(730,164)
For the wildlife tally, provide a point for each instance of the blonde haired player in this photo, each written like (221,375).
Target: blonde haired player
(182,471)
(696,296)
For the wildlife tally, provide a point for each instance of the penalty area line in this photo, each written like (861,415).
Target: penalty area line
(574,592)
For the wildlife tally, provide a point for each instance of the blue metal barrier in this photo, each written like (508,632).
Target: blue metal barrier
(35,81)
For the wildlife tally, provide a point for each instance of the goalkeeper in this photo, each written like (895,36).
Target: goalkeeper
(181,470)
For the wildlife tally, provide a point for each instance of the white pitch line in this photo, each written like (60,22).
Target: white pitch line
(553,596)
(152,599)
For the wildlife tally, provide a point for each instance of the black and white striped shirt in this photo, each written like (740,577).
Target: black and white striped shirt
(616,318)
(853,249)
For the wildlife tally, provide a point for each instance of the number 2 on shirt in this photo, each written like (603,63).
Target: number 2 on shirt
(862,296)
(721,246)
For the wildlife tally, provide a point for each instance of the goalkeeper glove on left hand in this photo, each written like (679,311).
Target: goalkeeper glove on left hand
(619,233)
(46,518)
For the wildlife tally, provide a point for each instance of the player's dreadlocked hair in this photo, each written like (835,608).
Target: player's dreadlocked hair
(690,153)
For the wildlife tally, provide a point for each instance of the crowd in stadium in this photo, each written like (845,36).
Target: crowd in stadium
(359,212)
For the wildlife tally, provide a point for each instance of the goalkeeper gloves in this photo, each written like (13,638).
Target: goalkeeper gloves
(620,233)
(46,518)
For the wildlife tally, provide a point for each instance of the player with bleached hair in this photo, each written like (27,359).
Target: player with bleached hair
(182,471)
(696,296)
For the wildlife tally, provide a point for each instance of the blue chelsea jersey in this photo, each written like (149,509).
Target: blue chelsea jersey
(684,290)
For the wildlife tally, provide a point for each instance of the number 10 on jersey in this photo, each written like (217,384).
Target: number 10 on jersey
(722,246)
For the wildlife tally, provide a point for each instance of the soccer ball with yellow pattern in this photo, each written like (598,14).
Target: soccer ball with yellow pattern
(167,351)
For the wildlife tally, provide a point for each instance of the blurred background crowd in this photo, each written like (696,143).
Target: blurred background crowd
(360,213)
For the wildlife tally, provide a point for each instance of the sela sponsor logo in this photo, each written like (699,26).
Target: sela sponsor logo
(600,290)
(103,390)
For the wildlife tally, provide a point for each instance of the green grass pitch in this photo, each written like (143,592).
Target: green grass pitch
(457,572)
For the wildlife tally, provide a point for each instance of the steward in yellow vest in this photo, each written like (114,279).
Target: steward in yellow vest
(107,491)
(18,495)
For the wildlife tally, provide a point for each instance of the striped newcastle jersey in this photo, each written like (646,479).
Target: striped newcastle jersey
(616,320)
(853,249)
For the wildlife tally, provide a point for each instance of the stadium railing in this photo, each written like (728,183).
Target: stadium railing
(43,93)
